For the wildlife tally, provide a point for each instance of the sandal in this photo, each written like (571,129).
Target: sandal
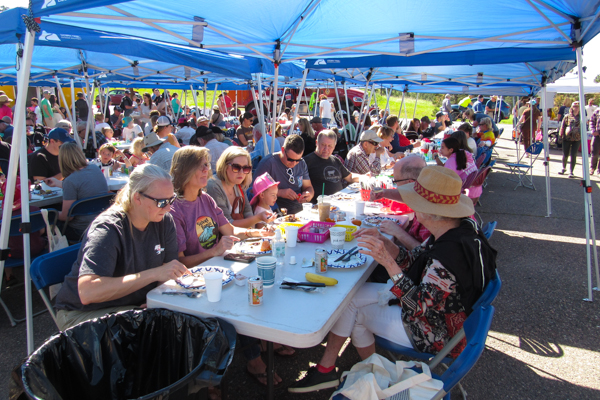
(260,375)
(279,351)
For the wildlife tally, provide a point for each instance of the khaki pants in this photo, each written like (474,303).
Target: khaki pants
(49,122)
(66,319)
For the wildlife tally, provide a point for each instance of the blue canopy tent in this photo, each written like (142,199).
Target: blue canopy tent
(516,30)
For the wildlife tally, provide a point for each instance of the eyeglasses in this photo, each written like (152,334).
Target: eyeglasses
(291,159)
(290,173)
(246,169)
(161,203)
(205,166)
(374,143)
(401,180)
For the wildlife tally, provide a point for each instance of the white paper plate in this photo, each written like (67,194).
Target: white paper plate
(355,261)
(376,221)
(195,283)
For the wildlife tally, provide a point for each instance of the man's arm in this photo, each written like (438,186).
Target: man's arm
(353,177)
(307,191)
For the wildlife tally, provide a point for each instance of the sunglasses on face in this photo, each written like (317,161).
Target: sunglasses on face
(374,143)
(291,159)
(246,169)
(161,203)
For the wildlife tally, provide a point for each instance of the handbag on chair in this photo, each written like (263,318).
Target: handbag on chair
(56,241)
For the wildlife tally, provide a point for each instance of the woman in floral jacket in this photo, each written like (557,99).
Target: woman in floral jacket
(435,285)
(571,137)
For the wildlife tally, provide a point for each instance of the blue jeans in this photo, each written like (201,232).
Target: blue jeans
(326,122)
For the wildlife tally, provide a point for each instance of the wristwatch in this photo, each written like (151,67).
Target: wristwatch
(397,277)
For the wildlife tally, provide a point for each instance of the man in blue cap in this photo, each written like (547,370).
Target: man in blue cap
(44,162)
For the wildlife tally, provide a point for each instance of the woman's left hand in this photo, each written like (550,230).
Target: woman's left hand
(375,248)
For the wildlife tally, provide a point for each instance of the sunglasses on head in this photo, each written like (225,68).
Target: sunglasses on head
(161,203)
(291,159)
(246,169)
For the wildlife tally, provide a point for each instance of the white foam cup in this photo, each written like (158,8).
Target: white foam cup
(214,286)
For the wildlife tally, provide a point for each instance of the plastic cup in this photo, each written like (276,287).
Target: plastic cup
(307,208)
(338,236)
(214,286)
(324,209)
(266,270)
(105,171)
(291,235)
(360,208)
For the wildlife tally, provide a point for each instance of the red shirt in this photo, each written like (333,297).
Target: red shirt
(403,140)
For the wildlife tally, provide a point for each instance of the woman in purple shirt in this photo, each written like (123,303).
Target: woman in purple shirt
(198,219)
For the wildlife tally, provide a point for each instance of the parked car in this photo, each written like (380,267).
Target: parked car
(505,109)
(116,95)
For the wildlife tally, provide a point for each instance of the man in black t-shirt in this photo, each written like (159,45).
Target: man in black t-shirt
(324,168)
(82,107)
(44,162)
(127,103)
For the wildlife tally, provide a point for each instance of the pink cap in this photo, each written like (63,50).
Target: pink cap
(261,184)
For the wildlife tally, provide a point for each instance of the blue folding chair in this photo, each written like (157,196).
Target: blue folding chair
(37,224)
(475,329)
(488,229)
(521,169)
(93,205)
(51,269)
(490,293)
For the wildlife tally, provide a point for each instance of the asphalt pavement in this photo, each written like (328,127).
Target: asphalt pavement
(544,341)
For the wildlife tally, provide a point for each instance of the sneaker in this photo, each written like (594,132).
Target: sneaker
(315,380)
(571,175)
(562,172)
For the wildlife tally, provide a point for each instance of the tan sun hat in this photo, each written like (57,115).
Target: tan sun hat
(437,191)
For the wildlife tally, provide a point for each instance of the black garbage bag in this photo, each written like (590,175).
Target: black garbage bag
(137,354)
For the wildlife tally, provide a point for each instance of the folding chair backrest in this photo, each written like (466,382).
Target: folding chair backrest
(469,180)
(91,205)
(255,160)
(490,293)
(36,220)
(488,229)
(476,329)
(480,158)
(535,149)
(50,269)
(478,181)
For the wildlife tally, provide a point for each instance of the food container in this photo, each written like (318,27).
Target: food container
(350,229)
(282,226)
(240,280)
(306,235)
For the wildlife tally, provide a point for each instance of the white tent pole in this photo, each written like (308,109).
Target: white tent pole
(259,113)
(362,108)
(282,101)
(64,100)
(102,101)
(86,93)
(106,105)
(89,120)
(415,109)
(347,108)
(204,104)
(18,154)
(316,103)
(184,102)
(339,105)
(194,95)
(295,117)
(546,151)
(73,112)
(388,93)
(274,116)
(589,211)
(405,113)
(236,104)
(214,99)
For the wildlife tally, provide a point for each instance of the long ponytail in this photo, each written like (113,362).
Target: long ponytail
(461,158)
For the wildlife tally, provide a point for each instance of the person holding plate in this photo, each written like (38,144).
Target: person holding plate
(434,286)
(127,251)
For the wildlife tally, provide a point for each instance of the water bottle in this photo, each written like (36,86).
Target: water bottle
(279,248)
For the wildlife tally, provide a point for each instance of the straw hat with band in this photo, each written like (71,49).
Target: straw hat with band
(437,191)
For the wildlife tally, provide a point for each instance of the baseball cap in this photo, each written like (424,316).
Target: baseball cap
(203,131)
(370,136)
(118,108)
(60,134)
(440,114)
(6,119)
(181,121)
(163,121)
(316,120)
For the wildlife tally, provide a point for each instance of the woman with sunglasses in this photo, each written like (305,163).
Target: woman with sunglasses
(126,252)
(203,231)
(228,188)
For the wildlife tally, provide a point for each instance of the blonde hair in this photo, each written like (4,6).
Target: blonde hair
(278,130)
(140,180)
(106,129)
(70,159)
(137,145)
(184,165)
(385,132)
(305,127)
(99,117)
(567,102)
(226,157)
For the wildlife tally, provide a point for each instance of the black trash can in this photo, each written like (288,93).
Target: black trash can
(137,354)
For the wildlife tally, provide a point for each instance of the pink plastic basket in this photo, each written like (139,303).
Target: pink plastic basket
(305,235)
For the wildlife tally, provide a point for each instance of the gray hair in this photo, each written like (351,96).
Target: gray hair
(140,180)
(486,121)
(412,167)
(329,134)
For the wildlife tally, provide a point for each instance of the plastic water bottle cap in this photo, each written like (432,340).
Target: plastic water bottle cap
(277,234)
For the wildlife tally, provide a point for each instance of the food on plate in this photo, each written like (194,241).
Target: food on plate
(357,222)
(290,218)
(265,246)
(283,211)
(315,278)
